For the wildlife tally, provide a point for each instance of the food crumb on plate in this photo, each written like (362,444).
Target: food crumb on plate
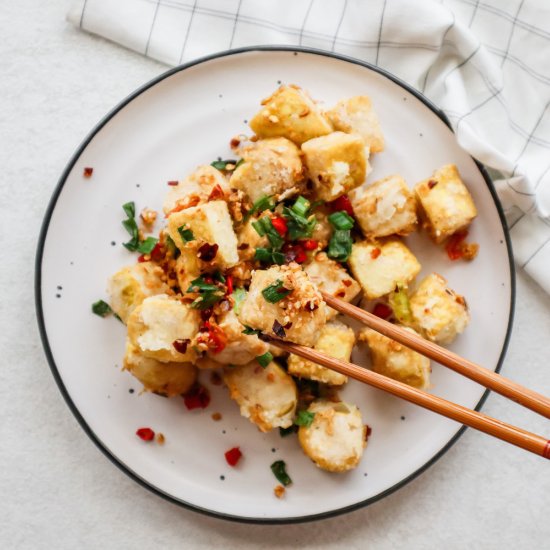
(279,491)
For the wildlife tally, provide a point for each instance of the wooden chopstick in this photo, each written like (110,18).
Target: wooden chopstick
(514,391)
(506,432)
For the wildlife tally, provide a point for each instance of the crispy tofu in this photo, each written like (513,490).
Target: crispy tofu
(187,268)
(209,223)
(336,438)
(439,312)
(249,239)
(333,279)
(241,348)
(387,207)
(378,267)
(167,379)
(446,205)
(266,396)
(396,361)
(301,313)
(271,167)
(323,230)
(336,340)
(336,163)
(292,114)
(158,322)
(356,115)
(199,183)
(131,285)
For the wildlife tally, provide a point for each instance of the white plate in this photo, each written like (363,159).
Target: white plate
(184,118)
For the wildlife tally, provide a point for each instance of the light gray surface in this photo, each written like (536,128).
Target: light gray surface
(59,491)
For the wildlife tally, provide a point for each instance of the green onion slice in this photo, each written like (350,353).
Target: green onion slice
(275,292)
(101,308)
(341,220)
(265,359)
(279,471)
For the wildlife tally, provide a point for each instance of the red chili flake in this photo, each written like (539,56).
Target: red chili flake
(310,244)
(294,253)
(88,171)
(375,252)
(206,314)
(233,456)
(278,329)
(383,311)
(147,434)
(234,143)
(454,245)
(216,193)
(280,225)
(368,431)
(347,282)
(142,258)
(217,339)
(173,183)
(181,344)
(197,398)
(229,284)
(342,203)
(432,184)
(157,253)
(207,252)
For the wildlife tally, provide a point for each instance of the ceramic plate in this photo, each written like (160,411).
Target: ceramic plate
(184,118)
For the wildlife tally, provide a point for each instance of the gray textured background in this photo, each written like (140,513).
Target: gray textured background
(58,491)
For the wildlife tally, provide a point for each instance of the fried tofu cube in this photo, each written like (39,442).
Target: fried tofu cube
(336,438)
(158,322)
(131,285)
(298,316)
(439,312)
(200,183)
(356,115)
(266,396)
(387,207)
(271,167)
(446,205)
(336,340)
(379,267)
(167,379)
(240,348)
(333,279)
(249,239)
(209,223)
(187,268)
(395,360)
(292,114)
(336,163)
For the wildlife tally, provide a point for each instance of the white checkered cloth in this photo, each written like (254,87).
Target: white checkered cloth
(485,63)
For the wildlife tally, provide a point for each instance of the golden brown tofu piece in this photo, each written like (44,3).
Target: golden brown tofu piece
(356,115)
(336,163)
(290,113)
(446,205)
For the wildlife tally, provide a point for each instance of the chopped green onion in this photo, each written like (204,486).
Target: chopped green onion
(239,295)
(265,203)
(339,247)
(146,247)
(218,276)
(284,432)
(304,418)
(315,204)
(186,234)
(264,226)
(249,330)
(275,292)
(259,227)
(200,285)
(130,209)
(279,471)
(301,206)
(399,302)
(341,220)
(171,246)
(101,308)
(208,294)
(269,255)
(222,164)
(265,359)
(278,258)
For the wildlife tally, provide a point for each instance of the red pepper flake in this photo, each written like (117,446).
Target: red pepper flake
(233,456)
(147,434)
(454,245)
(207,252)
(342,203)
(197,398)
(216,417)
(280,225)
(229,284)
(173,183)
(216,193)
(217,339)
(294,253)
(206,314)
(310,244)
(432,184)
(142,258)
(382,310)
(88,171)
(278,329)
(347,282)
(234,143)
(375,252)
(157,254)
(180,345)
(368,432)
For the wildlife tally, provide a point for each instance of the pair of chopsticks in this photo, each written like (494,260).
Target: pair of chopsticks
(506,432)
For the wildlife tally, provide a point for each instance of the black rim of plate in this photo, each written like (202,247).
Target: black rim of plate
(42,326)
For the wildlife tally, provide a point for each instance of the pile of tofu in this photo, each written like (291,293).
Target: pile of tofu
(298,149)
